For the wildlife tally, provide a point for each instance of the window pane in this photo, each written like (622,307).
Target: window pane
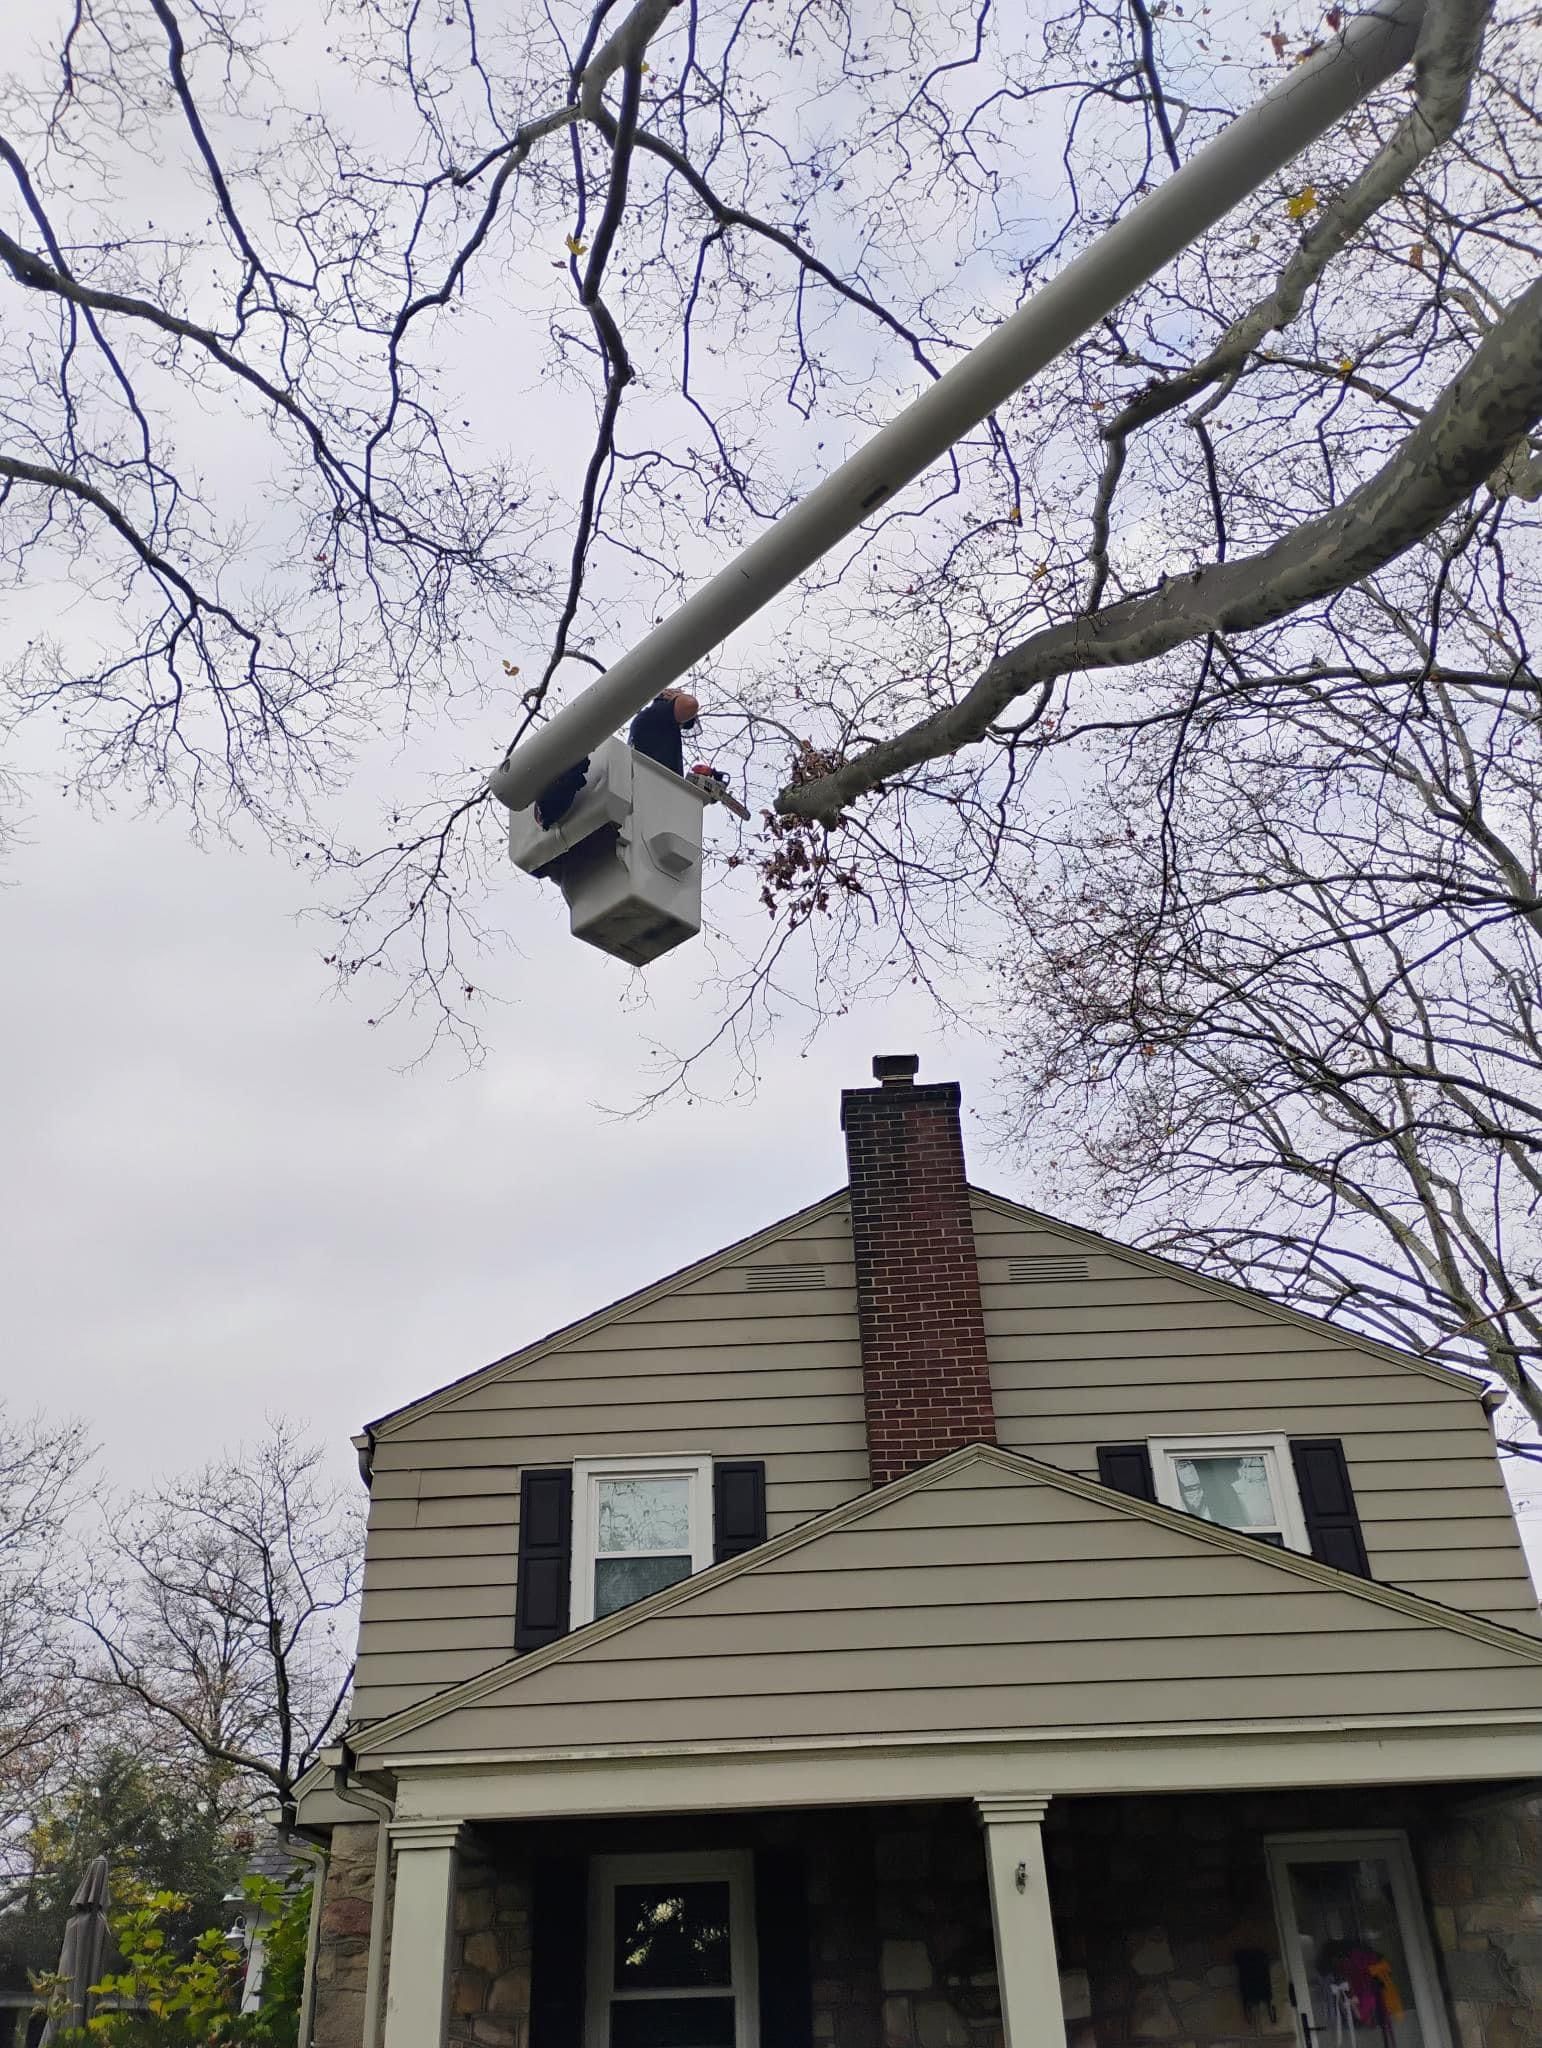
(672,1936)
(618,1581)
(672,2023)
(645,1514)
(1354,1977)
(1233,1491)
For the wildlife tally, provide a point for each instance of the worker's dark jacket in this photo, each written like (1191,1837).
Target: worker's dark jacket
(656,733)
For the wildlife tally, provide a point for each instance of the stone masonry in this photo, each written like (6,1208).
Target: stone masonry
(899,1913)
(1153,1900)
(490,1984)
(342,1954)
(1482,1870)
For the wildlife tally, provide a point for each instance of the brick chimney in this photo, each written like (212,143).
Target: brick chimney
(925,1380)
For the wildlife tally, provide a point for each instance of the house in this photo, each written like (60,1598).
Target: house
(925,1623)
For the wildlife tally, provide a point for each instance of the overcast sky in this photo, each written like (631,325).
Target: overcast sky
(222,1197)
(226,1194)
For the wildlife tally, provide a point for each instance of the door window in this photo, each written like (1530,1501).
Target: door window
(1357,1953)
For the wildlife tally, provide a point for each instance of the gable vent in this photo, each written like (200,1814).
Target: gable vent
(783,1279)
(1053,1269)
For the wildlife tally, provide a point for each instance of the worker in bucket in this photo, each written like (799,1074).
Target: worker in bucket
(657,728)
(655,731)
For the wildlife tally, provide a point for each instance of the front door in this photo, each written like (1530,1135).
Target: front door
(1352,1932)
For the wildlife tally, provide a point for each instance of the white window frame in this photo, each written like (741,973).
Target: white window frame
(737,1866)
(1413,1921)
(1275,1450)
(586,1515)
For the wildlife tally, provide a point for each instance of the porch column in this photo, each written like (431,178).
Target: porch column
(1025,1936)
(422,1914)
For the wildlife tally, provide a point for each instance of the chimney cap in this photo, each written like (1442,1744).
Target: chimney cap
(896,1069)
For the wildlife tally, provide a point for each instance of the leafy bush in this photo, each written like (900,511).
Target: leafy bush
(157,1998)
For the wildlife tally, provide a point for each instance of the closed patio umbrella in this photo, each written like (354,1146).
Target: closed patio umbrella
(83,1953)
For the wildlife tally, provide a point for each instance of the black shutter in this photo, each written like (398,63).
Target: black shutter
(782,1940)
(545,1558)
(1127,1469)
(1328,1503)
(559,1962)
(738,1507)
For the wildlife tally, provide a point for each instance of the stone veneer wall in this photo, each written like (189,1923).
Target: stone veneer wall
(900,1927)
(342,1953)
(1482,1871)
(1152,1899)
(490,1985)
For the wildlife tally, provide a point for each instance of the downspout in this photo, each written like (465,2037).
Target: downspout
(382,1809)
(317,1858)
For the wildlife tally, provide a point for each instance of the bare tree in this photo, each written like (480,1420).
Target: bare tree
(41,1466)
(722,241)
(1276,1003)
(228,1615)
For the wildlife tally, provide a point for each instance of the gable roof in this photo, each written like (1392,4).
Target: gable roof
(746,1247)
(987,1593)
(572,1333)
(1229,1290)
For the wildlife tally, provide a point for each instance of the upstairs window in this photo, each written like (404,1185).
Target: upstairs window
(639,1524)
(1243,1482)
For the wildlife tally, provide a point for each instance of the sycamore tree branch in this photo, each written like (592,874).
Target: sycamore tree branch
(1494,400)
(30,269)
(15,471)
(726,216)
(626,48)
(176,55)
(1450,44)
(350,491)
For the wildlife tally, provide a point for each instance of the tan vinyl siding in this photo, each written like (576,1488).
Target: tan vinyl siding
(712,1369)
(1129,1354)
(987,1600)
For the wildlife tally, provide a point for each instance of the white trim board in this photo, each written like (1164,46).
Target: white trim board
(1134,1761)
